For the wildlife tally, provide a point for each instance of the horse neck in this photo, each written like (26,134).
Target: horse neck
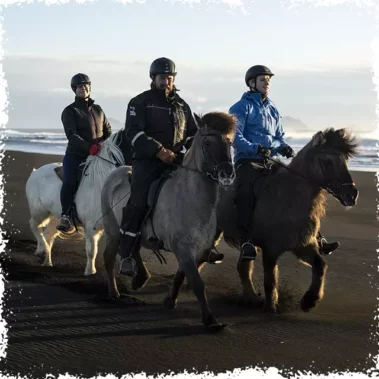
(193,160)
(311,192)
(200,189)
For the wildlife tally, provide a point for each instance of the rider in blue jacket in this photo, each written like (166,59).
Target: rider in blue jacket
(259,135)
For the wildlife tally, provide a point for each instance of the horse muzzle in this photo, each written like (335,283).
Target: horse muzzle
(226,174)
(346,193)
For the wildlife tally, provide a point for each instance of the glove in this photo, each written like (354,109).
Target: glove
(94,149)
(287,152)
(263,151)
(165,155)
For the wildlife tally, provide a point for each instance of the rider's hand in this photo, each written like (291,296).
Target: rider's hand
(287,152)
(263,151)
(94,149)
(166,156)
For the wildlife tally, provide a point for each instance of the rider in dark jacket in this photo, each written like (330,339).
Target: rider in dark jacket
(158,122)
(86,127)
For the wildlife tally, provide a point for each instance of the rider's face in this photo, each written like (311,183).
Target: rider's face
(262,84)
(164,82)
(82,91)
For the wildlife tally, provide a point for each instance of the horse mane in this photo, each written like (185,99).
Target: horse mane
(224,123)
(342,141)
(97,167)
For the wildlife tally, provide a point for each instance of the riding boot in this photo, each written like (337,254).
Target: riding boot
(326,248)
(130,238)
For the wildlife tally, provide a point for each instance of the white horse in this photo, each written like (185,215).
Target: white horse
(43,193)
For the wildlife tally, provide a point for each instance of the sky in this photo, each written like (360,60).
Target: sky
(322,57)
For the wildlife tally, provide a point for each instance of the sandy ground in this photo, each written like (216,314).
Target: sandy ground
(58,323)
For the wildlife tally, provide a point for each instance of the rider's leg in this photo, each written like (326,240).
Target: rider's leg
(246,175)
(143,174)
(324,246)
(71,164)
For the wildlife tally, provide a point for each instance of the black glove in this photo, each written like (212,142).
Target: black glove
(263,151)
(287,152)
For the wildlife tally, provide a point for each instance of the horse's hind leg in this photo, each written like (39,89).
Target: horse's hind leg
(49,236)
(92,242)
(271,274)
(37,226)
(309,255)
(143,274)
(110,254)
(191,271)
(245,270)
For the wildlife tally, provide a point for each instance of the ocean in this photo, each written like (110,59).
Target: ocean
(54,141)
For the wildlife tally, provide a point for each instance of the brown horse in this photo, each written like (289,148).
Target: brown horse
(290,202)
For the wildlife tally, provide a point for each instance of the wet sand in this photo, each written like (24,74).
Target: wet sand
(58,323)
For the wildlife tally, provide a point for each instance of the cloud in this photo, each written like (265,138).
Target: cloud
(39,89)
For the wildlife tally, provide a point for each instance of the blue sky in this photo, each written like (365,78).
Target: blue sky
(322,56)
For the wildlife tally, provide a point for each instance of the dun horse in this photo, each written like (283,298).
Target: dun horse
(184,219)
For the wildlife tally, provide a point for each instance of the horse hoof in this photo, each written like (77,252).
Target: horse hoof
(89,272)
(47,264)
(170,303)
(110,298)
(308,301)
(269,308)
(139,281)
(215,328)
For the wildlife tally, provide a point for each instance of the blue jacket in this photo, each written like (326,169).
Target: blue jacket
(258,123)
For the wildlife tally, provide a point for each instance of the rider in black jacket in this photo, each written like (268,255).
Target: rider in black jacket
(86,127)
(158,121)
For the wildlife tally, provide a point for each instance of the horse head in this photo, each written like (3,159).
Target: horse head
(331,151)
(210,152)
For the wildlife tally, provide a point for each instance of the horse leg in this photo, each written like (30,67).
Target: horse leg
(191,271)
(110,253)
(310,256)
(245,270)
(171,300)
(37,226)
(49,236)
(143,274)
(92,242)
(271,274)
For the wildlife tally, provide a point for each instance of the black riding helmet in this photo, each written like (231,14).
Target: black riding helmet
(79,79)
(255,71)
(162,66)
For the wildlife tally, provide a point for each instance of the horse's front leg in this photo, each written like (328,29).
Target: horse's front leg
(190,269)
(310,256)
(171,299)
(271,274)
(245,270)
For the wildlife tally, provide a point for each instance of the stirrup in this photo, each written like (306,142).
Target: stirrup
(248,251)
(128,267)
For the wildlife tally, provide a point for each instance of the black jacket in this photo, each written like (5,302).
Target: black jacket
(154,121)
(85,124)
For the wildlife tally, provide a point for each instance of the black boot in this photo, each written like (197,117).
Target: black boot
(130,238)
(326,248)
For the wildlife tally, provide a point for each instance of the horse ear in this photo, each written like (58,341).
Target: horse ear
(319,139)
(199,121)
